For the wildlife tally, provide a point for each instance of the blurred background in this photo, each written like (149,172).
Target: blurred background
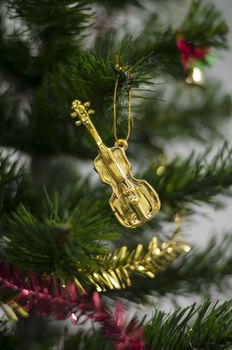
(221,69)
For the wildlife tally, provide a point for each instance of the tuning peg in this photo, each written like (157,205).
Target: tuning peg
(78,123)
(91,111)
(73,114)
(87,104)
(75,104)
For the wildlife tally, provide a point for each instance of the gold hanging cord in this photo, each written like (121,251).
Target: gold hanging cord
(120,69)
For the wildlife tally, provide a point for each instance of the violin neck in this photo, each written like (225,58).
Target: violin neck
(106,153)
(96,137)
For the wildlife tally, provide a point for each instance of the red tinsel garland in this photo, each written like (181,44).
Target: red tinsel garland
(46,296)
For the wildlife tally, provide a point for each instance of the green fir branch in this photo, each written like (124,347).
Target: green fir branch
(95,70)
(13,184)
(50,128)
(202,26)
(10,120)
(15,59)
(186,113)
(92,77)
(56,27)
(194,179)
(208,326)
(56,240)
(48,34)
(202,271)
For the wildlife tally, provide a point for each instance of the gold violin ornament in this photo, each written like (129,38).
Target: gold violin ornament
(133,201)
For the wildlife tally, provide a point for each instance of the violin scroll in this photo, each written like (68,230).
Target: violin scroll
(82,111)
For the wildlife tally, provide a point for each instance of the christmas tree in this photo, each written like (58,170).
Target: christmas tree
(91,260)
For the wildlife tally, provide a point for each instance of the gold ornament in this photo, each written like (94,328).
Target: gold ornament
(133,201)
(195,76)
(119,265)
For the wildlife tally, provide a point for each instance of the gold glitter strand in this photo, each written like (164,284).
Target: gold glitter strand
(119,265)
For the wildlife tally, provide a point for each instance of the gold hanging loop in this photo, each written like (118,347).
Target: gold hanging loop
(121,142)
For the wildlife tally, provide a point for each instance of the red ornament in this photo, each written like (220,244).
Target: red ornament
(189,54)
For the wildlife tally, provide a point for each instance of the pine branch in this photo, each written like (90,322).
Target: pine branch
(49,34)
(208,326)
(13,184)
(56,240)
(95,71)
(12,127)
(56,27)
(199,272)
(91,74)
(203,270)
(15,59)
(193,180)
(50,128)
(203,26)
(187,113)
(65,241)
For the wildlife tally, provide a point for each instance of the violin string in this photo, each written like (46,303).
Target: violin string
(115,110)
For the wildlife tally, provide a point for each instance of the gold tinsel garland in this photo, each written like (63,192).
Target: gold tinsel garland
(117,267)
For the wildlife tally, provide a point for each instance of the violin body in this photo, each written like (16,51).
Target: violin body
(133,201)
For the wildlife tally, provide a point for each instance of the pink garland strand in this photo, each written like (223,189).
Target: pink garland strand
(47,297)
